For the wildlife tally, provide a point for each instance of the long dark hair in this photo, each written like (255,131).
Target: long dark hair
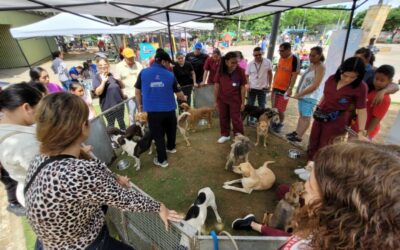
(352,64)
(223,69)
(35,73)
(17,94)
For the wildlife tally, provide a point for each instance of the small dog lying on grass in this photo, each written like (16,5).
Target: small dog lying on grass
(196,115)
(284,211)
(253,179)
(240,149)
(133,141)
(197,214)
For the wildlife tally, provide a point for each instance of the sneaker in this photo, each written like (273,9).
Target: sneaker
(300,171)
(294,138)
(224,139)
(172,151)
(163,164)
(304,176)
(16,209)
(294,133)
(243,223)
(278,127)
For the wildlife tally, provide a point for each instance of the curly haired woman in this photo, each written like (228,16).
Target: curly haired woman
(352,199)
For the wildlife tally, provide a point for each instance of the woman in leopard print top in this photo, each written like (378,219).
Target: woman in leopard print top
(64,200)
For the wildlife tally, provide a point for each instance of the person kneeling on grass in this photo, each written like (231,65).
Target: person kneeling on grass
(66,192)
(383,77)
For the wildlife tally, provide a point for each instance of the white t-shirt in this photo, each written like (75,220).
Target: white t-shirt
(258,73)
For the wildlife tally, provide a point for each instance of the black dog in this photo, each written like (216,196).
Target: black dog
(256,112)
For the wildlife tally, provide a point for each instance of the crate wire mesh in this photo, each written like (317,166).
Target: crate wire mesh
(147,231)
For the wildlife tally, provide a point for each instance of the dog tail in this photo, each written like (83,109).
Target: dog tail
(268,162)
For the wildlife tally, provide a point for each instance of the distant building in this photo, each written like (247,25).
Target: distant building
(36,50)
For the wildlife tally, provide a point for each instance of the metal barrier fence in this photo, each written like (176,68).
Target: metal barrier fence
(146,230)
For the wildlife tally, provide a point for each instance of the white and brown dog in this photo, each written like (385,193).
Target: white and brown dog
(253,179)
(133,142)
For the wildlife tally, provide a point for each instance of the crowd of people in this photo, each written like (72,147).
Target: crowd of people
(351,199)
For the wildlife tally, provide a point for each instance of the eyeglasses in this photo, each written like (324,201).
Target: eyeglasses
(257,54)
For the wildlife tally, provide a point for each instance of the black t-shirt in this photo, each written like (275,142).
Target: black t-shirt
(198,64)
(184,74)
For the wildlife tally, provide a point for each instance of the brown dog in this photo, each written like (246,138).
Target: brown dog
(253,179)
(196,115)
(263,124)
(284,211)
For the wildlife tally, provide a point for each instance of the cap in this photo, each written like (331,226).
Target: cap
(128,53)
(162,55)
(198,45)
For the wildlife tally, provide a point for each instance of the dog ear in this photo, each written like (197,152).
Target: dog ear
(121,140)
(193,212)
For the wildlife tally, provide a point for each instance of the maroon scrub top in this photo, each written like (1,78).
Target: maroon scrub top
(342,99)
(230,85)
(212,66)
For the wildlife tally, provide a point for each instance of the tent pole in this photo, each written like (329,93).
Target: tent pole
(348,30)
(23,53)
(274,35)
(186,41)
(170,36)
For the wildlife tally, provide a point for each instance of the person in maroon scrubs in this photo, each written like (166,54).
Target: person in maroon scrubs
(342,90)
(229,93)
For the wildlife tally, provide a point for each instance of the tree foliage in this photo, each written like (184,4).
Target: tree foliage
(392,21)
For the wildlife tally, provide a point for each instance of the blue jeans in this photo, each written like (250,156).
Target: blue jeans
(260,95)
(66,84)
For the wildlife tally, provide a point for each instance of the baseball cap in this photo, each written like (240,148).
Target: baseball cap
(162,55)
(198,45)
(128,53)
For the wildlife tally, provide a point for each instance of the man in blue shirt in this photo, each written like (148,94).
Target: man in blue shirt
(155,88)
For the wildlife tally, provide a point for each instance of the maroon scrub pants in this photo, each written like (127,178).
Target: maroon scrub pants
(324,133)
(230,111)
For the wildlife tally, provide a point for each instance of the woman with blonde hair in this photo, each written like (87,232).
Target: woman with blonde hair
(65,191)
(109,91)
(352,199)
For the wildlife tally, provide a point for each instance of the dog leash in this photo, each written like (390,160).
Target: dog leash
(298,99)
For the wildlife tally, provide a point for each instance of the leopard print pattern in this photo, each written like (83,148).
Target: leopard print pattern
(63,203)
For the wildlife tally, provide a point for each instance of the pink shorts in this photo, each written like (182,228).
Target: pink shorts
(278,101)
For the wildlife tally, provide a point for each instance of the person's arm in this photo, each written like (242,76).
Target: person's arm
(293,76)
(362,120)
(103,80)
(390,89)
(194,78)
(74,76)
(138,92)
(243,96)
(216,94)
(319,74)
(178,92)
(269,79)
(205,77)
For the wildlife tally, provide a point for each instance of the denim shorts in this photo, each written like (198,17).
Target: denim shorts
(306,106)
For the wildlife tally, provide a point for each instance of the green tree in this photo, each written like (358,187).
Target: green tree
(393,20)
(359,19)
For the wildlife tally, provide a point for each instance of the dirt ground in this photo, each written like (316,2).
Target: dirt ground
(202,165)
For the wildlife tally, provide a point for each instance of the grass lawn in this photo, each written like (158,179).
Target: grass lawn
(202,165)
(30,237)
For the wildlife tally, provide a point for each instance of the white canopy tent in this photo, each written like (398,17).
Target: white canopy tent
(179,10)
(65,24)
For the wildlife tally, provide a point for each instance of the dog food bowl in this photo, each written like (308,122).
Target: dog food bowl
(294,153)
(123,164)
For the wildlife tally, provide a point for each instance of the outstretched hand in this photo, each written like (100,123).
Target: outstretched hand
(168,215)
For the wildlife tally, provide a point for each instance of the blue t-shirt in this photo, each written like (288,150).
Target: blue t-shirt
(74,71)
(157,85)
(263,44)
